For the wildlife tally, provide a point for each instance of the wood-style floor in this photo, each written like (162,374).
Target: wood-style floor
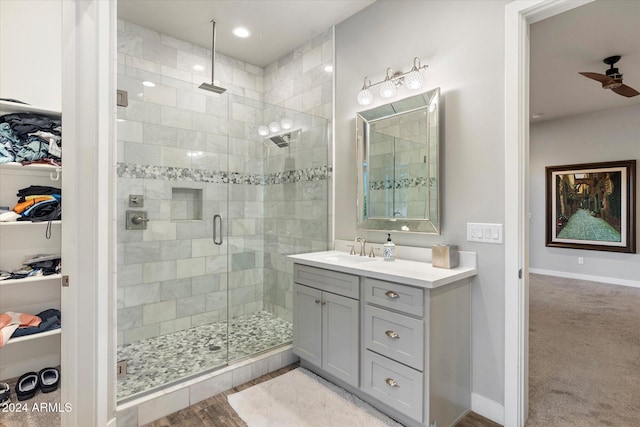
(216,411)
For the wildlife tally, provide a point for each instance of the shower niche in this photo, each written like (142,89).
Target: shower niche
(186,204)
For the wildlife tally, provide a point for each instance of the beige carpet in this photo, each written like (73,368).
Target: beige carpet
(302,399)
(584,367)
(41,410)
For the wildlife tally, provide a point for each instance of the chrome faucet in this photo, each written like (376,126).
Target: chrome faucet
(363,242)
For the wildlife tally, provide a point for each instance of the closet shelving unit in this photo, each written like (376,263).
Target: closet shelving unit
(19,241)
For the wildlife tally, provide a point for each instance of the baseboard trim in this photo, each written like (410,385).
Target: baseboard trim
(599,279)
(487,408)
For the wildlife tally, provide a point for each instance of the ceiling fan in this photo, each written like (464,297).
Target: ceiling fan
(613,79)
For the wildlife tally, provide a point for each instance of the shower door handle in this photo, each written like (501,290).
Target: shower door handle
(217,220)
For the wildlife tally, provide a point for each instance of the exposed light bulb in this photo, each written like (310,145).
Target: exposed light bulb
(274,126)
(263,130)
(365,97)
(286,123)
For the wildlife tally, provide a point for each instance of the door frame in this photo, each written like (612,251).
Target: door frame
(518,16)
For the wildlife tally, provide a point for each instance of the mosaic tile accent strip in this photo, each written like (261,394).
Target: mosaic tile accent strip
(401,183)
(170,173)
(158,361)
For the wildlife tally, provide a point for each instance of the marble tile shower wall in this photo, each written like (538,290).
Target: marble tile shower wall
(173,135)
(297,213)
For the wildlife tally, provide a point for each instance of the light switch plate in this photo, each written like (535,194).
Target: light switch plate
(485,233)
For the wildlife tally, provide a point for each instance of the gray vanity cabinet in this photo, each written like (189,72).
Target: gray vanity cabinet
(326,321)
(396,341)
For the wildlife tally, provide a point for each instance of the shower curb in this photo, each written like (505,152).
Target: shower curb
(173,398)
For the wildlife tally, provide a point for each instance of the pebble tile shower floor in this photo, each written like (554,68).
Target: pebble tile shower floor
(157,361)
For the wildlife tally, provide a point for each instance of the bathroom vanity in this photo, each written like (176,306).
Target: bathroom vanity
(396,334)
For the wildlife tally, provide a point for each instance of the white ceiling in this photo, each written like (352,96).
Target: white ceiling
(561,46)
(578,40)
(277,26)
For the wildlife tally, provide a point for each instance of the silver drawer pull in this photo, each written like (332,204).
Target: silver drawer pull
(392,383)
(392,334)
(392,294)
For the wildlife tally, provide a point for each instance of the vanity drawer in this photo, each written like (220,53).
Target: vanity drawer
(327,280)
(403,298)
(394,335)
(394,384)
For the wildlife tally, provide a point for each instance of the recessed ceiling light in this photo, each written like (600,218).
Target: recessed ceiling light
(198,67)
(148,83)
(241,32)
(329,68)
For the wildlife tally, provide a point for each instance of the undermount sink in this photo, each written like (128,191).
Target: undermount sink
(345,258)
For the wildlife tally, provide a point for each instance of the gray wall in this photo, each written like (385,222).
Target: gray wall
(463,44)
(595,137)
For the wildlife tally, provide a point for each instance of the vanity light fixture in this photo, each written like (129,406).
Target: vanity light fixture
(389,86)
(275,126)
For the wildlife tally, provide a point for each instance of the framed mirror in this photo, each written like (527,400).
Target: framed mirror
(398,168)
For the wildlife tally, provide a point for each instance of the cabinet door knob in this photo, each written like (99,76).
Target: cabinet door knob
(392,383)
(392,294)
(317,301)
(392,334)
(323,303)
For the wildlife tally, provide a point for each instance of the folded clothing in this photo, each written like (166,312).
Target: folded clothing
(50,320)
(23,124)
(40,265)
(37,203)
(11,321)
(37,190)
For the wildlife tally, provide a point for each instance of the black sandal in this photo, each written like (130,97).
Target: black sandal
(27,386)
(5,395)
(49,379)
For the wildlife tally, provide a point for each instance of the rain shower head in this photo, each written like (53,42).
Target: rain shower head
(284,139)
(281,140)
(211,86)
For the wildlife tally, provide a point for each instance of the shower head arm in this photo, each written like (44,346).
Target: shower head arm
(212,86)
(213,49)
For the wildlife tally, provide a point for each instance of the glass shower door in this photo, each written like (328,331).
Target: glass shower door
(172,273)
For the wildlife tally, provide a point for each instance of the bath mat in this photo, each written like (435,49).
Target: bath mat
(300,398)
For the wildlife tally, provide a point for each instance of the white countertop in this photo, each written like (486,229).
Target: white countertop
(414,273)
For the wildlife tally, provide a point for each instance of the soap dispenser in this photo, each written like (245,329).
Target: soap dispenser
(389,249)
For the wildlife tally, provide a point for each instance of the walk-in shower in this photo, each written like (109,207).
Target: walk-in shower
(206,283)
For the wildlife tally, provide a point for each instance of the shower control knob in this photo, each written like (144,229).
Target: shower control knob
(136,220)
(139,219)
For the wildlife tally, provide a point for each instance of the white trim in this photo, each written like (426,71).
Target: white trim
(88,94)
(518,16)
(487,408)
(599,279)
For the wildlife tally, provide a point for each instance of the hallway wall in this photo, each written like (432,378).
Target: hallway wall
(595,137)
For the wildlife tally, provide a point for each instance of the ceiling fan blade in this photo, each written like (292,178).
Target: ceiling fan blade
(599,77)
(627,91)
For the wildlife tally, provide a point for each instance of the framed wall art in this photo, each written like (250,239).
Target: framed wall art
(592,206)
